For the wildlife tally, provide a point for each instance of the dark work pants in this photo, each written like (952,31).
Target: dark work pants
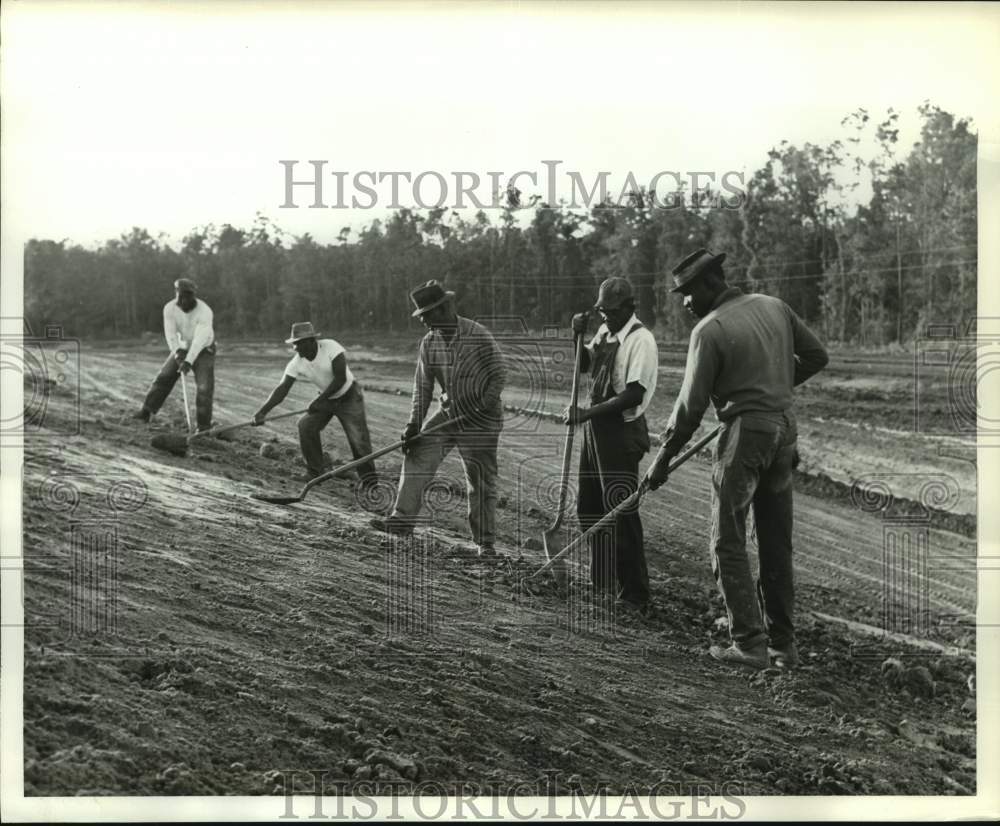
(204,377)
(350,412)
(753,468)
(609,473)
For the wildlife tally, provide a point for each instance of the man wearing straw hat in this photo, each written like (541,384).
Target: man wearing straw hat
(746,354)
(463,358)
(187,326)
(323,361)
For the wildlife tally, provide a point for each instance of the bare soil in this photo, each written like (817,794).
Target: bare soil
(232,640)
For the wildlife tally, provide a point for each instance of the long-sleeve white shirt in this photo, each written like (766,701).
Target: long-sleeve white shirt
(192,331)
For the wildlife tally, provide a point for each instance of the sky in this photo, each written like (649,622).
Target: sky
(171,116)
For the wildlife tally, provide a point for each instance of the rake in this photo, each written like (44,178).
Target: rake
(178,445)
(340,471)
(631,501)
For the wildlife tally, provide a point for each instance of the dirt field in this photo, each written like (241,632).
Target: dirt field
(212,642)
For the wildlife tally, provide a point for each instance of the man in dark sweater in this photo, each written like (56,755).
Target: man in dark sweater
(464,360)
(746,354)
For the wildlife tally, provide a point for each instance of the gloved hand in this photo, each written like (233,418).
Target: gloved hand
(179,354)
(580,323)
(412,429)
(659,470)
(258,419)
(185,368)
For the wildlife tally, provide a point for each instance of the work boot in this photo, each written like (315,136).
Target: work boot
(487,550)
(786,657)
(142,415)
(755,657)
(393,525)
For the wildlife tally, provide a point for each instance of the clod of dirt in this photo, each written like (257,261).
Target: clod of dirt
(269,450)
(909,731)
(227,436)
(170,443)
(969,707)
(893,672)
(919,682)
(405,766)
(945,672)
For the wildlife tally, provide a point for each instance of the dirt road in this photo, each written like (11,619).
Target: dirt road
(227,641)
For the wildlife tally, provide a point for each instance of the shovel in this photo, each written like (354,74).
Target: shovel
(340,471)
(551,534)
(626,504)
(178,445)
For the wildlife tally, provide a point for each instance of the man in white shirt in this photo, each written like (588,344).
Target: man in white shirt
(622,360)
(187,326)
(324,362)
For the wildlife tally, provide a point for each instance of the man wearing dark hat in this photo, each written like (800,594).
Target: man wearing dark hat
(187,326)
(746,354)
(464,360)
(622,360)
(323,361)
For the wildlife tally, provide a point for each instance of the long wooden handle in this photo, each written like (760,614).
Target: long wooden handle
(610,516)
(337,471)
(570,432)
(226,428)
(627,503)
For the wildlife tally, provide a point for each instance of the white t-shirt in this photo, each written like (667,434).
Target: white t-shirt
(320,370)
(636,360)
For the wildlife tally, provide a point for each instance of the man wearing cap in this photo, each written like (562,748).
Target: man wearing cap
(746,354)
(622,361)
(187,326)
(323,361)
(463,358)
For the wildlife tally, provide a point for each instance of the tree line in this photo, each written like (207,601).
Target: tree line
(870,271)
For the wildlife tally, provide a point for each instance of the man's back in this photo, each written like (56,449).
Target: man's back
(754,341)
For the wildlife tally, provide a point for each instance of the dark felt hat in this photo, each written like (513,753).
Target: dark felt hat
(428,296)
(695,264)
